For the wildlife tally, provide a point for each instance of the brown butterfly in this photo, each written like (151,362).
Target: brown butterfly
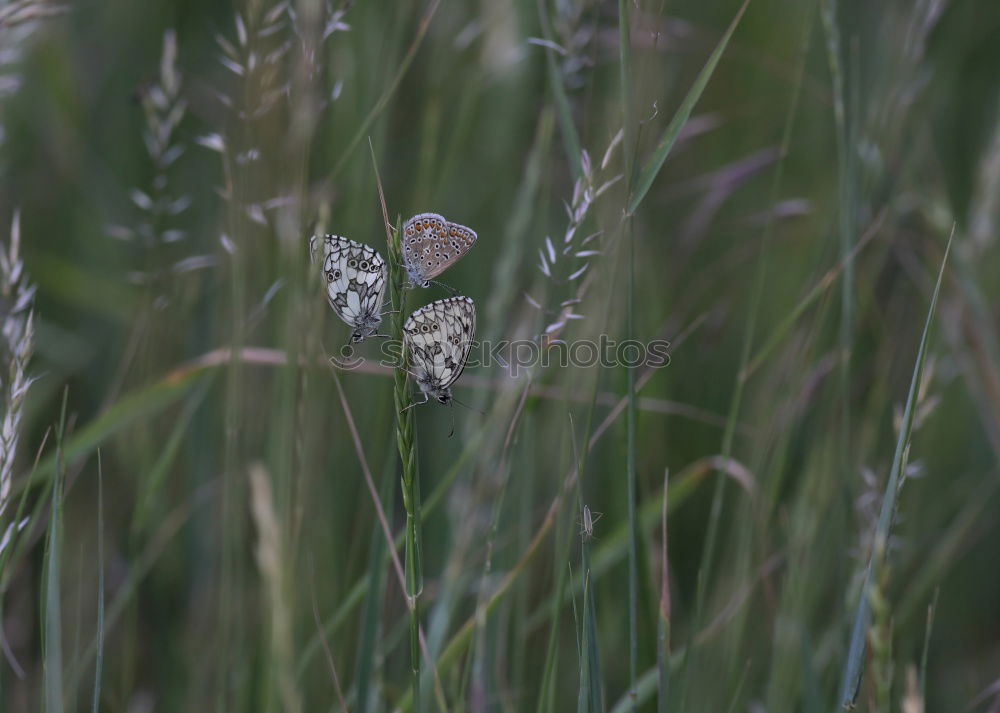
(431,245)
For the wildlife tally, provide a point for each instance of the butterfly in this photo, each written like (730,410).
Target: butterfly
(355,283)
(431,245)
(438,338)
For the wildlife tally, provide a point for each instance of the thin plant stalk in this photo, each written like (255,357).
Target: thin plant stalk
(564,114)
(663,624)
(845,219)
(99,661)
(53,661)
(406,441)
(862,620)
(371,610)
(628,152)
(708,549)
(406,438)
(638,184)
(390,90)
(645,176)
(931,608)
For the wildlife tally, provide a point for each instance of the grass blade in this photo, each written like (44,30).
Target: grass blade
(99,662)
(663,624)
(628,151)
(53,574)
(845,220)
(137,406)
(406,440)
(547,690)
(390,90)
(655,162)
(564,113)
(627,89)
(583,699)
(931,608)
(591,648)
(151,485)
(371,611)
(862,619)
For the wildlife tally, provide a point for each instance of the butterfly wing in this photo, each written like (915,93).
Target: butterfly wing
(439,337)
(355,282)
(328,243)
(431,245)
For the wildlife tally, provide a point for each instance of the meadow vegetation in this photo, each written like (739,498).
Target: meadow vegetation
(796,512)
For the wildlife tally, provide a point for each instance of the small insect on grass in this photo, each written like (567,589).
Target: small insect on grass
(587,523)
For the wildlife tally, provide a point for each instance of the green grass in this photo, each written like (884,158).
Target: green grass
(223,522)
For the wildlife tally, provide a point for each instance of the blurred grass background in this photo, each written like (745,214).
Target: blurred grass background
(171,159)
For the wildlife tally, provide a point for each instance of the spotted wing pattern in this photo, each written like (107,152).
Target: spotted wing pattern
(431,245)
(355,283)
(438,338)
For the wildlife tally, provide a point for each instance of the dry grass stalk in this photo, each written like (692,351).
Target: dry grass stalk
(568,264)
(18,297)
(271,561)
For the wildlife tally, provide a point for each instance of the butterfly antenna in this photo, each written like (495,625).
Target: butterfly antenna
(465,405)
(452,290)
(452,411)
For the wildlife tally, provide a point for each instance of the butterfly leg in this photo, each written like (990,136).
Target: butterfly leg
(417,403)
(416,378)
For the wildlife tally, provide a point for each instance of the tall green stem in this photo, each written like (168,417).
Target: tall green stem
(628,150)
(406,441)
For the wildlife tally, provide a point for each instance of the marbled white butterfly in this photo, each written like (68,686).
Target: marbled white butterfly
(438,338)
(355,283)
